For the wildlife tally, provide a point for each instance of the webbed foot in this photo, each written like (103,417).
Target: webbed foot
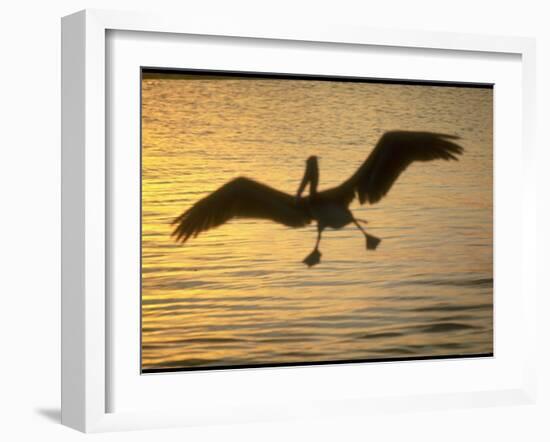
(372,242)
(313,258)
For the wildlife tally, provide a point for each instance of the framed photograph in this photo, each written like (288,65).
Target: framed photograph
(275,222)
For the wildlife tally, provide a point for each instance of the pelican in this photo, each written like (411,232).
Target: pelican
(246,198)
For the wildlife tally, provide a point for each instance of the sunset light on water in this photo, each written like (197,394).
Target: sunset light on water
(239,295)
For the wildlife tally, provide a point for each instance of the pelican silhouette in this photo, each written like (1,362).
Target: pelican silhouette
(246,198)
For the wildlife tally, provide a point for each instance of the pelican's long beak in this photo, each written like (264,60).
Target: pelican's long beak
(303,184)
(311,176)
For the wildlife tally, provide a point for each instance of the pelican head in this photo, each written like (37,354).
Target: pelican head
(313,160)
(311,176)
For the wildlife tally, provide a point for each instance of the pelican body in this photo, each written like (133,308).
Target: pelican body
(246,198)
(329,209)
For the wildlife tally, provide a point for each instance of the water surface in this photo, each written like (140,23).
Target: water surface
(240,295)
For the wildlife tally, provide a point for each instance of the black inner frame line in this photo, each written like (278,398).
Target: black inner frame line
(172,72)
(315,363)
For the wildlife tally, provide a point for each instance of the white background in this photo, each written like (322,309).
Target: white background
(30,219)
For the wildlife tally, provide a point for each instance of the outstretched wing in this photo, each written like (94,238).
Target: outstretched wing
(240,198)
(393,153)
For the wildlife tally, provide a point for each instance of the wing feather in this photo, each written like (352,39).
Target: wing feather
(240,198)
(394,152)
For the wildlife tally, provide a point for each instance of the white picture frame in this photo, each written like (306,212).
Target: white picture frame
(86,315)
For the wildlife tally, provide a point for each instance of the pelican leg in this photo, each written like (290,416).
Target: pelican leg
(372,241)
(315,256)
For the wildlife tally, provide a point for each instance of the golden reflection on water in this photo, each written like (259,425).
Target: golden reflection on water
(239,294)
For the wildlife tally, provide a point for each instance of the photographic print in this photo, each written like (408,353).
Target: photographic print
(297,220)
